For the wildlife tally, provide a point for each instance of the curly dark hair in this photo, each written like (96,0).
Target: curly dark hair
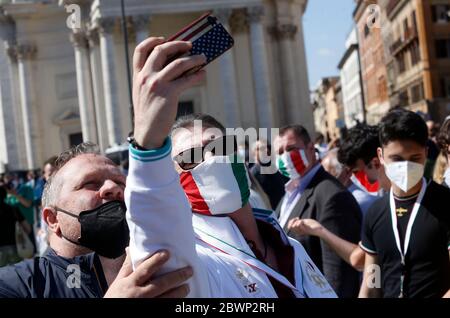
(361,142)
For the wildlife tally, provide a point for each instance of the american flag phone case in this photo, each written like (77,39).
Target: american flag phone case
(208,37)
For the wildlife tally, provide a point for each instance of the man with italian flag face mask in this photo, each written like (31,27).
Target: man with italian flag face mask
(217,185)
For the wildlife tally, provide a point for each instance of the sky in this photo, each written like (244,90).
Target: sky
(326,24)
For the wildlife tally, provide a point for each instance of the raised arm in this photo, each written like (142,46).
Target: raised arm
(159,215)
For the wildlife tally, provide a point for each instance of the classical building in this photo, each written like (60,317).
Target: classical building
(328,108)
(63,74)
(418,56)
(373,65)
(351,82)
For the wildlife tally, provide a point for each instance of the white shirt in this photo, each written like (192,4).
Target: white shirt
(294,189)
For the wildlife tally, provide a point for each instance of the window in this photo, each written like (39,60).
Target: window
(441,13)
(445,83)
(414,21)
(75,139)
(416,93)
(401,63)
(403,98)
(415,54)
(405,28)
(185,108)
(442,48)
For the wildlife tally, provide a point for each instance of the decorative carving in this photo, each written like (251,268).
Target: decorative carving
(92,37)
(141,22)
(25,51)
(238,21)
(223,14)
(254,14)
(79,40)
(106,24)
(11,51)
(284,31)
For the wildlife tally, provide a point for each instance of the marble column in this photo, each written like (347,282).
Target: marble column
(106,27)
(25,53)
(84,85)
(97,87)
(228,77)
(260,67)
(284,34)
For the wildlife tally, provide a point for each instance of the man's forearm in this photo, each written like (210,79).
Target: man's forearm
(447,294)
(25,202)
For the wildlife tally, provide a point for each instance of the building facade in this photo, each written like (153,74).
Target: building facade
(63,71)
(419,55)
(351,82)
(373,64)
(328,108)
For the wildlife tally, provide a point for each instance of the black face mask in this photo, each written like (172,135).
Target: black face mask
(103,229)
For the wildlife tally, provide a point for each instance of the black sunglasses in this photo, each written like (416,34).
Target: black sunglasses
(192,157)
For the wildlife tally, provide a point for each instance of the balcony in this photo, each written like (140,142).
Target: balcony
(391,5)
(400,44)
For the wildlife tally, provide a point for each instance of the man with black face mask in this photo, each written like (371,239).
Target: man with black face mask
(83,206)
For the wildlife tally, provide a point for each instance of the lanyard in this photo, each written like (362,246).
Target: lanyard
(244,257)
(408,230)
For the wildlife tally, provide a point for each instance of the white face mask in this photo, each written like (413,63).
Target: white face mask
(217,185)
(404,174)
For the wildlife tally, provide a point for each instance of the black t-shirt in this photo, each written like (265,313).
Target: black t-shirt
(403,210)
(8,218)
(427,269)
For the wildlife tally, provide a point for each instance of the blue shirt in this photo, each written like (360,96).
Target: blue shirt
(53,276)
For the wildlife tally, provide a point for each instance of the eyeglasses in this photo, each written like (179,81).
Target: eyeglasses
(192,157)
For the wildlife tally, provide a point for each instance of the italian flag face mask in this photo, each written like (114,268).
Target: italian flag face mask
(292,164)
(218,185)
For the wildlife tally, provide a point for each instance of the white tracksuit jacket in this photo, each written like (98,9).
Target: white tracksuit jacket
(159,217)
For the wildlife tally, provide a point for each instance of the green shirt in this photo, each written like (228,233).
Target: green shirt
(27,193)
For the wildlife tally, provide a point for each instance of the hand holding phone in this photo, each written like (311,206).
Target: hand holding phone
(208,36)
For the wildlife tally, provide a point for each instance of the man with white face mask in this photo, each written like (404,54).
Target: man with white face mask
(221,239)
(406,233)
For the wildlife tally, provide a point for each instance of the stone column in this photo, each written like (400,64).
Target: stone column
(84,85)
(285,33)
(25,53)
(263,90)
(97,87)
(106,28)
(228,77)
(141,27)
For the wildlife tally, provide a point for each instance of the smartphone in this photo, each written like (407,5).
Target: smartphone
(208,36)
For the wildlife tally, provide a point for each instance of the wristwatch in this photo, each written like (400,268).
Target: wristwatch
(134,143)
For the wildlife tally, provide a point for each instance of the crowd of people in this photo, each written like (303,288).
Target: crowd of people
(20,200)
(360,217)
